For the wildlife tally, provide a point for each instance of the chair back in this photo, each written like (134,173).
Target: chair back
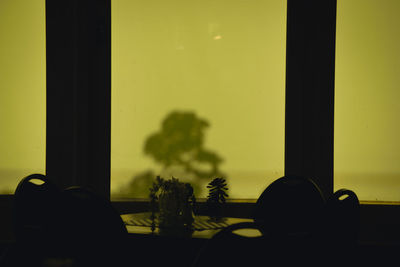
(290,206)
(90,222)
(75,224)
(35,200)
(230,248)
(343,217)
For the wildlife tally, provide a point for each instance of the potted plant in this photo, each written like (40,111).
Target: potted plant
(174,201)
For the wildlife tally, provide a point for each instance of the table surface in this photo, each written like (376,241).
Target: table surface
(204,227)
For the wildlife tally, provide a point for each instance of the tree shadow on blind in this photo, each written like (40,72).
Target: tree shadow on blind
(178,147)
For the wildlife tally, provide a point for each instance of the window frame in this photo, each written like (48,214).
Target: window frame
(79,108)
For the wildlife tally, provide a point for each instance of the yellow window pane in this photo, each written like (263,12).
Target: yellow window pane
(198,92)
(22,90)
(367,144)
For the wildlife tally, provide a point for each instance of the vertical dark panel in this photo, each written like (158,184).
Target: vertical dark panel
(310,76)
(78,50)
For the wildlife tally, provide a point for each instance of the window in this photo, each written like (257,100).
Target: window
(22,91)
(213,69)
(78,66)
(78,88)
(367,145)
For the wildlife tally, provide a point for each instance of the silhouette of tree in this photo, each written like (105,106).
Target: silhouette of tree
(180,143)
(179,148)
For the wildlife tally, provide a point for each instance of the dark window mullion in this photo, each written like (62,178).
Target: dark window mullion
(310,66)
(78,52)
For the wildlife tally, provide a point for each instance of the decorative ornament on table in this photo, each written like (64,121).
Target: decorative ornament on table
(216,198)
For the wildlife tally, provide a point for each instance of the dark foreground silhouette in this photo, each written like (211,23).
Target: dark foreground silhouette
(76,227)
(70,227)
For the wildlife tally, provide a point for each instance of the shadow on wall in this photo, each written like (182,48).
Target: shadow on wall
(178,147)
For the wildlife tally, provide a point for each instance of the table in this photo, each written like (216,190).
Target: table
(140,224)
(157,250)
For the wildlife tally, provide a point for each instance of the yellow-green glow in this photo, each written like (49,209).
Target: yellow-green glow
(223,60)
(22,90)
(367,130)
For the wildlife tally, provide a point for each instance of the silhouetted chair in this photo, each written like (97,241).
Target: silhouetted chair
(229,248)
(290,211)
(343,218)
(92,231)
(35,200)
(70,227)
(291,207)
